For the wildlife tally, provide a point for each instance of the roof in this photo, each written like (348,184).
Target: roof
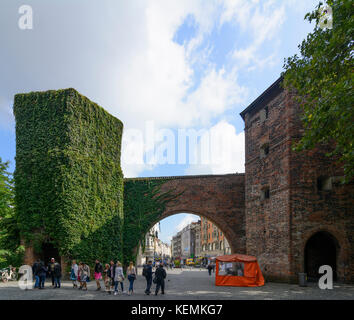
(265,97)
(236,258)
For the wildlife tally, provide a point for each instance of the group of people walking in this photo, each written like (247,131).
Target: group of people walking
(112,275)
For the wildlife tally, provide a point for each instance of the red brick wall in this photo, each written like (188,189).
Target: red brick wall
(267,221)
(313,210)
(277,228)
(218,198)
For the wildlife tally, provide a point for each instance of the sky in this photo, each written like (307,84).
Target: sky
(163,67)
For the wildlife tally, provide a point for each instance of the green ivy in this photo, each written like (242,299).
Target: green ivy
(143,205)
(69,184)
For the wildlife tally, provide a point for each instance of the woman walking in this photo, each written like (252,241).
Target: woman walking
(107,278)
(118,277)
(84,272)
(131,273)
(98,274)
(74,273)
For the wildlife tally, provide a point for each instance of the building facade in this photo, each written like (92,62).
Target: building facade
(213,241)
(298,214)
(154,249)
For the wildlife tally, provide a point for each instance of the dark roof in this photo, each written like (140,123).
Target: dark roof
(265,97)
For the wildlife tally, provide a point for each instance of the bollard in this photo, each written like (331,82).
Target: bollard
(302,279)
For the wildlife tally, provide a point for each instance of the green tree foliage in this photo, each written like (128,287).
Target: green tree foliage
(322,76)
(10,250)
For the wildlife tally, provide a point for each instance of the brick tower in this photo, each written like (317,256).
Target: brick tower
(298,214)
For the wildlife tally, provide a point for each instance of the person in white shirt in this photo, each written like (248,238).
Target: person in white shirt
(118,277)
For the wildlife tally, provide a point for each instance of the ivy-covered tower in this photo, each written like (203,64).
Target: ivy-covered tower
(68,178)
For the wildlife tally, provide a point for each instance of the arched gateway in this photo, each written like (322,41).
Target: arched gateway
(219,198)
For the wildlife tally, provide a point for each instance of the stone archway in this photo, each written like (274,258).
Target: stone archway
(321,248)
(219,198)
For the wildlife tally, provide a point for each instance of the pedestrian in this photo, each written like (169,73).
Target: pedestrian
(107,278)
(210,267)
(51,270)
(35,269)
(118,278)
(147,273)
(160,276)
(131,273)
(98,274)
(84,272)
(57,274)
(42,273)
(74,273)
(112,273)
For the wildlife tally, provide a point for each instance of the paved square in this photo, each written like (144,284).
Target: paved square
(182,285)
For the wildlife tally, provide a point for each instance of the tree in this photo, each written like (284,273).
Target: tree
(10,249)
(323,78)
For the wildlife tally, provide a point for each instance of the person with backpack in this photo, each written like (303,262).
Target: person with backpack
(98,274)
(35,269)
(42,273)
(160,275)
(131,272)
(210,267)
(147,273)
(57,275)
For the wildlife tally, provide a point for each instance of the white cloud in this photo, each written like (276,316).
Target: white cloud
(122,56)
(227,151)
(186,221)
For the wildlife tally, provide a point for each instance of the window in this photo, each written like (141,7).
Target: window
(324,183)
(265,193)
(264,150)
(264,114)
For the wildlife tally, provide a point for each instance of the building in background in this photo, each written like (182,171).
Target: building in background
(176,246)
(188,241)
(154,249)
(213,241)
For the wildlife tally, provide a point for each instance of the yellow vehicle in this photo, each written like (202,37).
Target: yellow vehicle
(189,262)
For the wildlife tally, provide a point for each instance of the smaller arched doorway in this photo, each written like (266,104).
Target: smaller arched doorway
(321,249)
(48,252)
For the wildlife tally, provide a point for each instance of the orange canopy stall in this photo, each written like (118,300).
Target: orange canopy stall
(238,270)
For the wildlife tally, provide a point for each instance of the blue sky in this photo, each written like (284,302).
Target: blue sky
(181,64)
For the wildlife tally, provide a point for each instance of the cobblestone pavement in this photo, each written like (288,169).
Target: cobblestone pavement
(186,285)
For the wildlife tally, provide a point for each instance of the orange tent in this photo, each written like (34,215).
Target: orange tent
(238,270)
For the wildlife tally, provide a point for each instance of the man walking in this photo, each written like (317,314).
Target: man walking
(51,269)
(147,273)
(160,276)
(210,267)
